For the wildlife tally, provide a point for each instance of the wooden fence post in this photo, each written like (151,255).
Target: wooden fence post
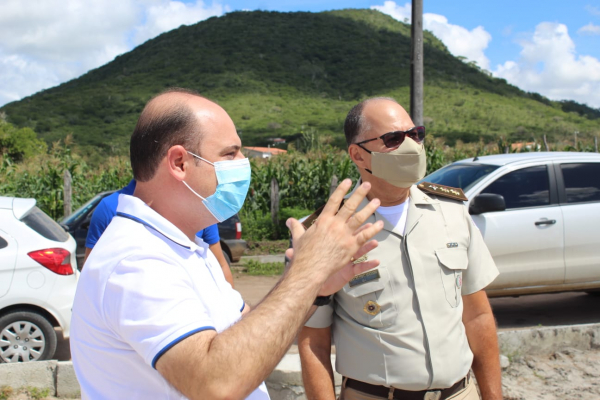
(596,143)
(334,184)
(275,206)
(575,139)
(546,143)
(67,193)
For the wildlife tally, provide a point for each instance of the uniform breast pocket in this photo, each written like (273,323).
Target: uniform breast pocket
(370,303)
(453,261)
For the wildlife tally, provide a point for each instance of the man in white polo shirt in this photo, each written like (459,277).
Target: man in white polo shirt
(154,316)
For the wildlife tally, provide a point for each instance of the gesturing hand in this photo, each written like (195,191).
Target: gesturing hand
(326,248)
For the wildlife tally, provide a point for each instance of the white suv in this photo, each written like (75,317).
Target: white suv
(37,281)
(539,214)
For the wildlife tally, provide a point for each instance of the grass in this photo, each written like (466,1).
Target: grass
(263,247)
(257,268)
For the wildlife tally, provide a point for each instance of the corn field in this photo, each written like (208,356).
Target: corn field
(304,178)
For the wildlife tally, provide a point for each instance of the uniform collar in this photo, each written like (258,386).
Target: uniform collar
(135,209)
(417,198)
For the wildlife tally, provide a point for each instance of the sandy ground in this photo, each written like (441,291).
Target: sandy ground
(566,375)
(570,374)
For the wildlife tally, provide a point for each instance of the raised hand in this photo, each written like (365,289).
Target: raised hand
(328,247)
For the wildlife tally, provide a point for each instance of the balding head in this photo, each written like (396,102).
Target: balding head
(169,119)
(356,123)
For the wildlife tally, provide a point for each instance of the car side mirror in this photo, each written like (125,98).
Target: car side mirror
(487,202)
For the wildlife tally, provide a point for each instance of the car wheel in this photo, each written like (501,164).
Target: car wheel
(227,258)
(26,336)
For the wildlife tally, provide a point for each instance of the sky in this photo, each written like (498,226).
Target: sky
(551,47)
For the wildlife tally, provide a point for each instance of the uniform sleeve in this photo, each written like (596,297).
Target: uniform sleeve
(210,234)
(101,217)
(151,305)
(481,269)
(323,317)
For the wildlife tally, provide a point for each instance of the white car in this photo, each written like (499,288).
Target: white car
(539,214)
(38,278)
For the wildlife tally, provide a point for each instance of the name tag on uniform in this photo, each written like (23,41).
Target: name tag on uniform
(364,278)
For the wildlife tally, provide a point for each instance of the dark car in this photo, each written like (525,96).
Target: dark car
(78,223)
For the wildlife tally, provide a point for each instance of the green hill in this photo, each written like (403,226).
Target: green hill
(280,73)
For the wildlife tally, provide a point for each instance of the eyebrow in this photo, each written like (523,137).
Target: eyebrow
(233,147)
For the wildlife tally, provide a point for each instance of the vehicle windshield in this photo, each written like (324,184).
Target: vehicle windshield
(81,210)
(462,176)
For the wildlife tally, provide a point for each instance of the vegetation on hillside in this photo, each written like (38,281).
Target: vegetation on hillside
(281,74)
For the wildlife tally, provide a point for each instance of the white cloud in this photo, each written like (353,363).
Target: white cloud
(46,42)
(593,10)
(459,40)
(589,29)
(548,64)
(166,16)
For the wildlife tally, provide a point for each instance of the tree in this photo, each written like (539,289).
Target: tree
(19,144)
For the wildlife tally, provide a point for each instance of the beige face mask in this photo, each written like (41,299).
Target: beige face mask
(402,167)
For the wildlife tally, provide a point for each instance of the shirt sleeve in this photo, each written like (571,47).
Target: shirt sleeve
(482,269)
(210,234)
(323,317)
(101,217)
(151,305)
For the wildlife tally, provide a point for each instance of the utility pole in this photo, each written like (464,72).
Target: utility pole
(416,63)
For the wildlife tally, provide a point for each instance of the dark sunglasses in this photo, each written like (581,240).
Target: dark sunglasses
(395,139)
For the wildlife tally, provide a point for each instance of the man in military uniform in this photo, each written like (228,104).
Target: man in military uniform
(414,327)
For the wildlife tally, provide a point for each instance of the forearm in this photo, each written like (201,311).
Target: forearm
(315,356)
(483,340)
(253,347)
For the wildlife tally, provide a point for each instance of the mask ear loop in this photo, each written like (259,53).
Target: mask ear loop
(193,191)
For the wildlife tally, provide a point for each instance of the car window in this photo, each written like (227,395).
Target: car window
(82,210)
(527,187)
(460,175)
(582,182)
(3,243)
(37,220)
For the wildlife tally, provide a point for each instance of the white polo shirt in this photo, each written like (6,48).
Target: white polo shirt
(145,287)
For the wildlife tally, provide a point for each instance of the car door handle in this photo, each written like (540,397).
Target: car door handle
(546,222)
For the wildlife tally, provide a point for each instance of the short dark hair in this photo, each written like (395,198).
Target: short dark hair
(160,128)
(354,124)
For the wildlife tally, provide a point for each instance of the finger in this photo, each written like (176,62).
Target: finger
(333,204)
(289,253)
(296,228)
(364,266)
(354,201)
(368,233)
(360,217)
(365,248)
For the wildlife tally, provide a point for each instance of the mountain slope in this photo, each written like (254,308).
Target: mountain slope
(280,73)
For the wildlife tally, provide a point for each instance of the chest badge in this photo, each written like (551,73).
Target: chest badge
(360,260)
(451,245)
(459,281)
(372,308)
(365,277)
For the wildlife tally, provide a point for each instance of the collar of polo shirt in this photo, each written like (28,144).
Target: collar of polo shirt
(133,208)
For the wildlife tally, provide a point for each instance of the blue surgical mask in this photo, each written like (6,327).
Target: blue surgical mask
(233,181)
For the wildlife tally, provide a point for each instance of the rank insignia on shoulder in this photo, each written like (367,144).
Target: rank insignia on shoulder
(312,218)
(443,191)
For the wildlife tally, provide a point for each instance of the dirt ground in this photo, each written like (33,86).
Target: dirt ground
(570,374)
(566,375)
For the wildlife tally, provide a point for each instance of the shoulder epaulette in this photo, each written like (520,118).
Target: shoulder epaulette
(313,217)
(443,191)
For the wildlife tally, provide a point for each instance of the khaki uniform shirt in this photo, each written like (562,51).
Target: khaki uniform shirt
(416,340)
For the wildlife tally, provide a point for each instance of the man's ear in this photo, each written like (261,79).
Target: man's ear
(357,156)
(178,162)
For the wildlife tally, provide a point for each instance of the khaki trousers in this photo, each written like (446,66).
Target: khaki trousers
(468,393)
